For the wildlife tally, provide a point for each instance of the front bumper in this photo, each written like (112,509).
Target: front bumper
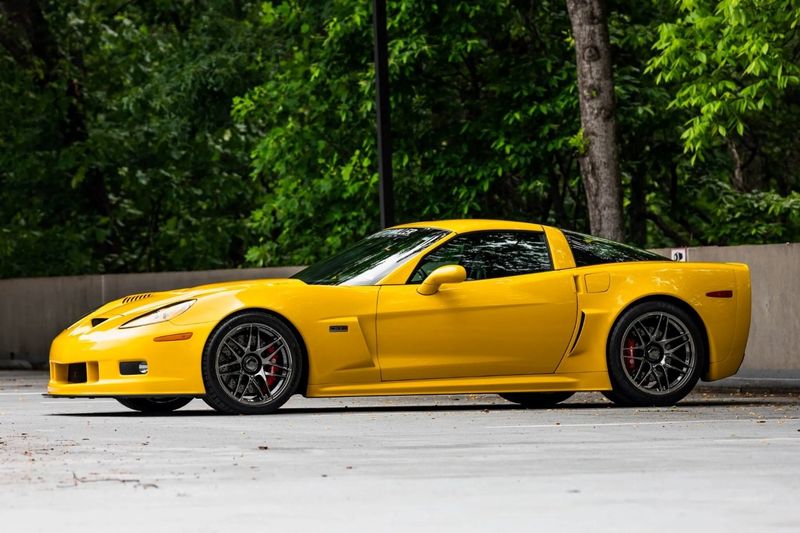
(173,367)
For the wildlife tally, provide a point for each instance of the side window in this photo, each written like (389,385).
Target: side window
(487,255)
(588,250)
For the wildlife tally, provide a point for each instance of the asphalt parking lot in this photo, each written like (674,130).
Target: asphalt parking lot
(716,462)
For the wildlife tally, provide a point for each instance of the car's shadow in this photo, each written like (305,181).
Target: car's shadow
(488,407)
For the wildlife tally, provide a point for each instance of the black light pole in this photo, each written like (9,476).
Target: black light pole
(386,185)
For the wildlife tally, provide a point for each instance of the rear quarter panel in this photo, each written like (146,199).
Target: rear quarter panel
(606,291)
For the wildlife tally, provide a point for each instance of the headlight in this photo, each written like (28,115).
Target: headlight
(159,315)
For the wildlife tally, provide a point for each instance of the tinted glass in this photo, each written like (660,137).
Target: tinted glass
(488,255)
(588,250)
(370,260)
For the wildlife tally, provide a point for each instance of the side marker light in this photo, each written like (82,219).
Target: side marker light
(720,294)
(174,337)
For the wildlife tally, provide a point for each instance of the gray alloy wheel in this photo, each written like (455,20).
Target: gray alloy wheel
(655,355)
(155,404)
(251,364)
(536,400)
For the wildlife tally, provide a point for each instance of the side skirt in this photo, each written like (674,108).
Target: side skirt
(579,381)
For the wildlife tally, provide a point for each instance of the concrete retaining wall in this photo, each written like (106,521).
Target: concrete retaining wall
(34,310)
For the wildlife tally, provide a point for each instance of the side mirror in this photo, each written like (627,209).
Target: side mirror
(443,274)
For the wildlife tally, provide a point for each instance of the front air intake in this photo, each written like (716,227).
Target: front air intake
(76,373)
(135,297)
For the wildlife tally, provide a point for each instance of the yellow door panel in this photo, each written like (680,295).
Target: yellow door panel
(495,327)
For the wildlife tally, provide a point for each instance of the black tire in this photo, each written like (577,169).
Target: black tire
(155,405)
(536,400)
(655,355)
(226,367)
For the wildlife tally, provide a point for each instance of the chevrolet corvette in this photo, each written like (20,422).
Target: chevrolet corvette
(526,311)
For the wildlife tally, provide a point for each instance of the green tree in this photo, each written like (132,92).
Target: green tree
(117,150)
(483,115)
(732,67)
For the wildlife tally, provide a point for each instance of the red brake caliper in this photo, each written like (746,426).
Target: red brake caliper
(630,362)
(272,370)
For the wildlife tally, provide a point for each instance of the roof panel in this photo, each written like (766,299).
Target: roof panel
(467,225)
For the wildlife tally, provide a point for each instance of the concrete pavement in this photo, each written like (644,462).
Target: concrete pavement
(716,462)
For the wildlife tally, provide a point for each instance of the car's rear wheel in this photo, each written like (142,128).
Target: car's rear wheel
(536,400)
(155,405)
(252,364)
(655,355)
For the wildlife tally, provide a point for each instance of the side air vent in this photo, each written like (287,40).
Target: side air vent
(135,297)
(97,321)
(578,335)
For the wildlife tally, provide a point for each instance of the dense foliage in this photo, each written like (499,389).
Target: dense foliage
(117,148)
(182,134)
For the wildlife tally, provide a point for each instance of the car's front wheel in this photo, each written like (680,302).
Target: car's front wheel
(536,400)
(655,355)
(252,364)
(155,405)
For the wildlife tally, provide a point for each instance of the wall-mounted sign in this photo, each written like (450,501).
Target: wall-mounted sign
(679,254)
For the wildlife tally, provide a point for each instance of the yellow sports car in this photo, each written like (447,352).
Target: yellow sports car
(526,311)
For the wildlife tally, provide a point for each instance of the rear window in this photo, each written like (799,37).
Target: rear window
(588,250)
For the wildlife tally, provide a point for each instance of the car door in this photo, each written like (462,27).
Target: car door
(513,315)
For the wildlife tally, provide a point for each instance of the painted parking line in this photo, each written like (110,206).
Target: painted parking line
(739,440)
(653,423)
(72,402)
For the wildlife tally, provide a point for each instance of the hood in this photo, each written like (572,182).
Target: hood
(139,304)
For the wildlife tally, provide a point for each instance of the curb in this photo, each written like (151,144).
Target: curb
(751,388)
(783,382)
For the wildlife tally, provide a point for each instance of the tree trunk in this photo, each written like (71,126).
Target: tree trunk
(599,160)
(748,172)
(637,210)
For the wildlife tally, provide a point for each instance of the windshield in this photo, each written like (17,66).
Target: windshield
(370,260)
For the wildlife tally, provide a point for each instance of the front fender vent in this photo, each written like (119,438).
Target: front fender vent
(135,297)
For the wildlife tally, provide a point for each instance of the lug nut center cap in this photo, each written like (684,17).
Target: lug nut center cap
(653,353)
(251,364)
